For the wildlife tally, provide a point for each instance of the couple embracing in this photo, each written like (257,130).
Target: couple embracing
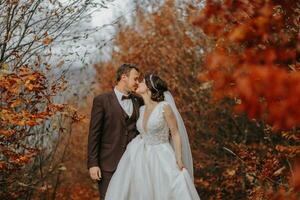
(138,147)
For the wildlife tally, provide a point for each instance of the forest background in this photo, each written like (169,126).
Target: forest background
(232,66)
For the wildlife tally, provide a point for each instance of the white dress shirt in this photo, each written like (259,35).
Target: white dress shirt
(126,104)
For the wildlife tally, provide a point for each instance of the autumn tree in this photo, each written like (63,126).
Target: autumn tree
(32,120)
(255,62)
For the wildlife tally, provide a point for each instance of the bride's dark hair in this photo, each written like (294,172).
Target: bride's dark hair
(157,86)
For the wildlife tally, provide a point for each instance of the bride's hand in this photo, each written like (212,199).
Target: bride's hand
(180,164)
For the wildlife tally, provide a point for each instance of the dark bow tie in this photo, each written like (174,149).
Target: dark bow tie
(129,96)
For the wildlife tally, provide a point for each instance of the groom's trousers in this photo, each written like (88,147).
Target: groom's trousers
(103,183)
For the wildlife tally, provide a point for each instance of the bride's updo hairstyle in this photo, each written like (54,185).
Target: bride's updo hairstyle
(157,87)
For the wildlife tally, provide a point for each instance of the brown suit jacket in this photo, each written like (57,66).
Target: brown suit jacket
(108,135)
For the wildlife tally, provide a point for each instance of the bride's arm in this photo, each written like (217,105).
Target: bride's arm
(172,123)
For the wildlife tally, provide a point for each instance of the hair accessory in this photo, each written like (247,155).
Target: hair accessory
(152,83)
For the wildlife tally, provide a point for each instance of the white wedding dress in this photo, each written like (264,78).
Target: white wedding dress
(148,168)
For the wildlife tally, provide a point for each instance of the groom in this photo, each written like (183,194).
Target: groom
(113,125)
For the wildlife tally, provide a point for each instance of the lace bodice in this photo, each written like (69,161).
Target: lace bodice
(157,130)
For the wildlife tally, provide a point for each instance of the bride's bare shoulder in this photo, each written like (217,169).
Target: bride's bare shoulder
(166,106)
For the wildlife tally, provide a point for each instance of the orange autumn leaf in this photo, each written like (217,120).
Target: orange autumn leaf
(47,40)
(16,103)
(6,133)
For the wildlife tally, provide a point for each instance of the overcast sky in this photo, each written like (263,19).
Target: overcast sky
(114,10)
(85,74)
(105,16)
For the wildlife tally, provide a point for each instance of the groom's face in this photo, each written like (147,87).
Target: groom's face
(132,80)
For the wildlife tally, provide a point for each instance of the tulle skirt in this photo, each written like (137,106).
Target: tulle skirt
(150,172)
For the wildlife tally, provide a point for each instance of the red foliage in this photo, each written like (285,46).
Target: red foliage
(255,57)
(23,91)
(255,62)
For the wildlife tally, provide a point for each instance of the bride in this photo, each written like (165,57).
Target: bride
(156,165)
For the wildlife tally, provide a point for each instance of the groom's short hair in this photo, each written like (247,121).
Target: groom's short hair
(125,69)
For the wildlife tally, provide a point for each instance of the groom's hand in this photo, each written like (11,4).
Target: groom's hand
(95,173)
